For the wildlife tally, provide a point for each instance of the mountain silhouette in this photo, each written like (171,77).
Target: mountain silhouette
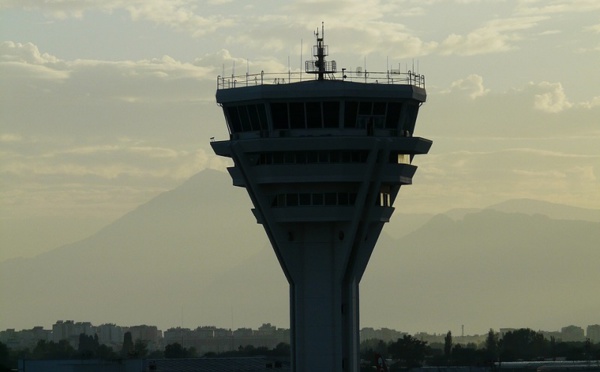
(196,256)
(489,269)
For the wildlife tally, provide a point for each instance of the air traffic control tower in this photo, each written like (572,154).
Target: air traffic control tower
(323,159)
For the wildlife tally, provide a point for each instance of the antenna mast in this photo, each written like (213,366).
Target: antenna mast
(320,51)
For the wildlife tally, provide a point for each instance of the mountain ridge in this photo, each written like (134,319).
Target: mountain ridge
(168,255)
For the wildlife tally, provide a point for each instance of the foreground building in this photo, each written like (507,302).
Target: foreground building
(323,161)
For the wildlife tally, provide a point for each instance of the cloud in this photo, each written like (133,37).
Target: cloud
(475,178)
(498,35)
(594,102)
(556,6)
(27,74)
(111,161)
(594,28)
(554,100)
(26,61)
(472,85)
(10,137)
(180,15)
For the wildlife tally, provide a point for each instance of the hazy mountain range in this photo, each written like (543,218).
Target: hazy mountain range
(195,256)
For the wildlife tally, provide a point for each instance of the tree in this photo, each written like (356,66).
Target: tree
(88,346)
(491,347)
(106,352)
(373,347)
(52,350)
(467,355)
(409,349)
(4,357)
(127,349)
(524,344)
(282,349)
(140,348)
(448,345)
(175,350)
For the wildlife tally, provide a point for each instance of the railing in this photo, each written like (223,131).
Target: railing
(368,77)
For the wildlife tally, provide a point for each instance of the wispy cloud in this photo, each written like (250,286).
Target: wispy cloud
(24,68)
(181,15)
(498,35)
(549,7)
(110,161)
(472,85)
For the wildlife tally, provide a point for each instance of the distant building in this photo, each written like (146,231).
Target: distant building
(30,337)
(10,338)
(593,333)
(150,334)
(70,331)
(504,331)
(110,334)
(218,340)
(384,334)
(548,335)
(572,333)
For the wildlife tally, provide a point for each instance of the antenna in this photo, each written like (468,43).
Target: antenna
(320,51)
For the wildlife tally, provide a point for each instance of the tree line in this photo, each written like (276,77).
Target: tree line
(406,352)
(517,345)
(89,347)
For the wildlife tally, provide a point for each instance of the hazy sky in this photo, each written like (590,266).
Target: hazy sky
(106,103)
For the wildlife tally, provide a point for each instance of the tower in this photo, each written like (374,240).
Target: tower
(322,161)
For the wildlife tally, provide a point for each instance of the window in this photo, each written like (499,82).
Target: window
(245,119)
(254,120)
(350,111)
(343,198)
(365,108)
(234,119)
(317,199)
(297,120)
(279,114)
(379,108)
(393,115)
(313,115)
(331,114)
(304,199)
(330,198)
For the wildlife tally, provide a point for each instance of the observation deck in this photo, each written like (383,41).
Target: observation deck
(357,76)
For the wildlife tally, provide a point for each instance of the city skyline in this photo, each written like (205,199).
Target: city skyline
(89,326)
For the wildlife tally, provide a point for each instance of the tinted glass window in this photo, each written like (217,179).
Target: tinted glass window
(331,114)
(297,115)
(393,115)
(234,119)
(313,115)
(279,115)
(350,110)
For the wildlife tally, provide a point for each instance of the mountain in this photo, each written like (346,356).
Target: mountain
(552,210)
(140,268)
(196,256)
(489,269)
